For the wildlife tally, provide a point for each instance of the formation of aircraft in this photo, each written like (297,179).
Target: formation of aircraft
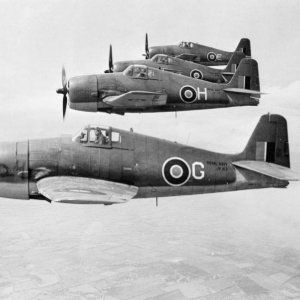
(145,86)
(140,88)
(106,165)
(198,53)
(183,67)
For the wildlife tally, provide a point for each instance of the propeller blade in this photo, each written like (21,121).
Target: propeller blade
(65,102)
(64,90)
(146,47)
(63,77)
(110,61)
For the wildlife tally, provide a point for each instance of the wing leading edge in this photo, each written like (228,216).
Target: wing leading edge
(137,99)
(81,190)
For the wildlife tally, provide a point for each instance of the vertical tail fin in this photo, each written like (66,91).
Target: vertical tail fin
(234,62)
(244,88)
(244,46)
(246,76)
(269,141)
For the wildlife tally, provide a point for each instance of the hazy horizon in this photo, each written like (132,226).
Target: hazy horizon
(234,245)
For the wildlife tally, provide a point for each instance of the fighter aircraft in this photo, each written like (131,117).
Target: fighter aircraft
(180,66)
(106,165)
(198,53)
(144,89)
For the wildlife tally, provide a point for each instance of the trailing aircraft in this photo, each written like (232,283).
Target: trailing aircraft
(106,165)
(145,89)
(180,66)
(198,53)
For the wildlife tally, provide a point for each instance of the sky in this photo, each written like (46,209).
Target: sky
(37,37)
(49,250)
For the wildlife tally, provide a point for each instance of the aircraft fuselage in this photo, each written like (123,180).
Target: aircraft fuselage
(157,167)
(201,54)
(87,93)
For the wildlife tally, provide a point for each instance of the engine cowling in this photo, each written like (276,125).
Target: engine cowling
(14,170)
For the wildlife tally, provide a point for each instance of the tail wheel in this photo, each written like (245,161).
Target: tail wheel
(196,74)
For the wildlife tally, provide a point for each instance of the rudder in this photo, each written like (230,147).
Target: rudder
(269,141)
(244,46)
(246,76)
(234,62)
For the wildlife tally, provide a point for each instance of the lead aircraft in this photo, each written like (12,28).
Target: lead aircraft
(106,165)
(144,89)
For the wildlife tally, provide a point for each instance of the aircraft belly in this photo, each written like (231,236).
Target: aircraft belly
(167,191)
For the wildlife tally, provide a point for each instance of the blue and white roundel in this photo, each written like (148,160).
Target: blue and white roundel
(176,171)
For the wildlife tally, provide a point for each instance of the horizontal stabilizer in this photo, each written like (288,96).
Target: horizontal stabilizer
(82,190)
(135,99)
(243,91)
(171,70)
(227,76)
(268,169)
(227,73)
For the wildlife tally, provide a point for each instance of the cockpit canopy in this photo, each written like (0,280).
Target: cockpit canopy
(99,136)
(163,59)
(186,45)
(141,72)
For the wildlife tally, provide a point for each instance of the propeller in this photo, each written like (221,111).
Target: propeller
(147,54)
(110,62)
(63,90)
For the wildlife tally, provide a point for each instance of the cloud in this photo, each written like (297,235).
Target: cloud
(287,97)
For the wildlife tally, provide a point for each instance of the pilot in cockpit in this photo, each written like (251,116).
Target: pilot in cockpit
(83,136)
(101,137)
(142,73)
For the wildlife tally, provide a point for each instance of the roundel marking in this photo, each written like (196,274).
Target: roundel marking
(196,74)
(188,94)
(211,56)
(176,171)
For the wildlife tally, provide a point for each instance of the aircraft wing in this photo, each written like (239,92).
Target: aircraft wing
(137,99)
(172,70)
(268,169)
(187,56)
(81,190)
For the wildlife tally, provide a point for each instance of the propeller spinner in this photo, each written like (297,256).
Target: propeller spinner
(63,90)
